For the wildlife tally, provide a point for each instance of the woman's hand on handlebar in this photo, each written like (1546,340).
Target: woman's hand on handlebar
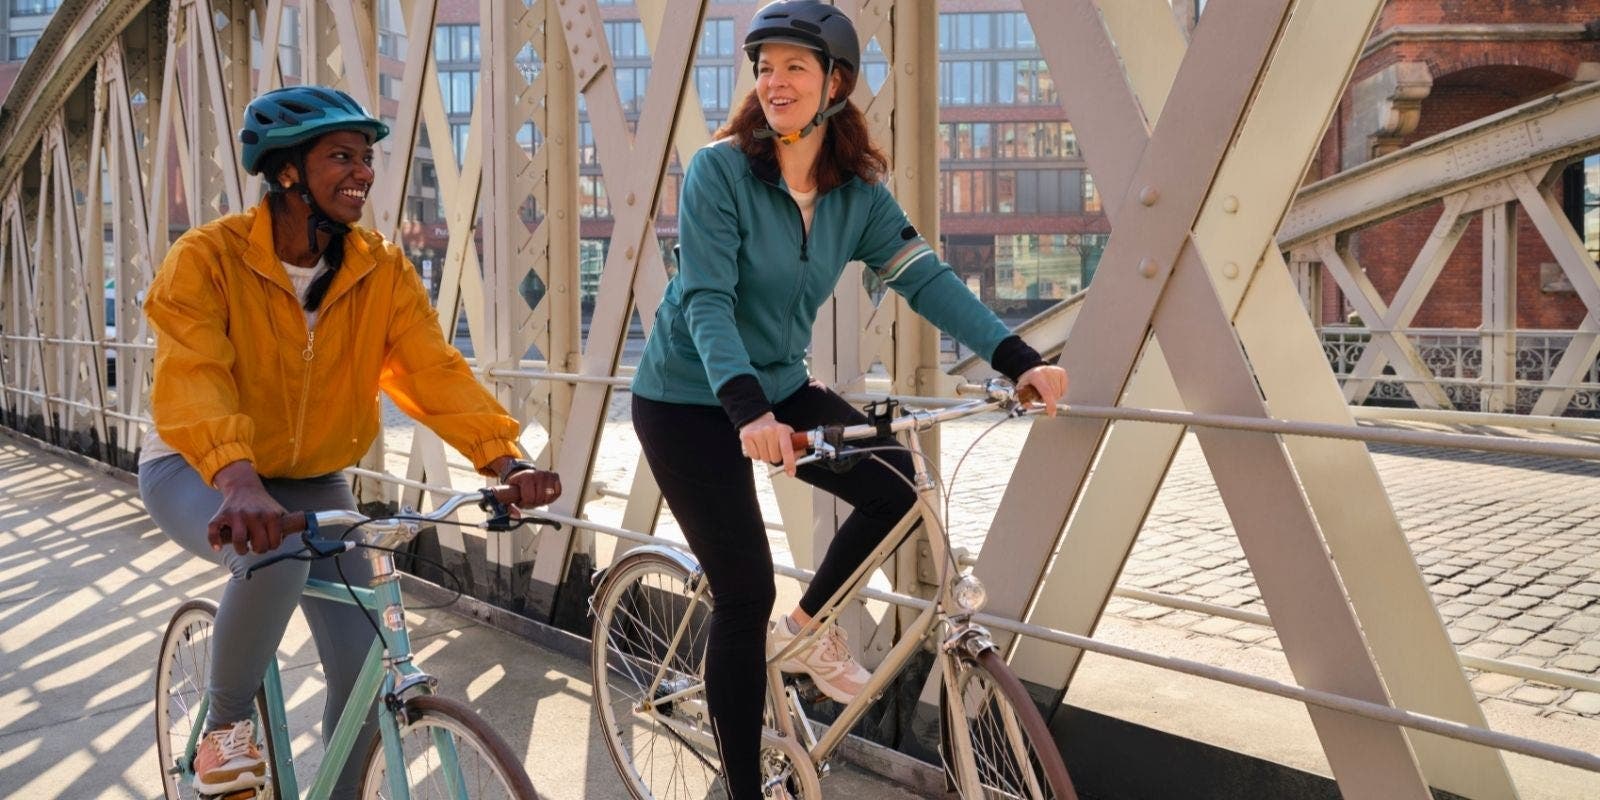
(536,487)
(767,439)
(249,517)
(1045,384)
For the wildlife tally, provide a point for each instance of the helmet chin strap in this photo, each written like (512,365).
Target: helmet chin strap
(823,113)
(316,221)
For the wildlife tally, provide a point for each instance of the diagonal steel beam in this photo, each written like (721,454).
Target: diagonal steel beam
(1398,350)
(634,166)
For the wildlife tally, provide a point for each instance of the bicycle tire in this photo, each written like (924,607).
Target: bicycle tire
(1005,731)
(640,606)
(183,667)
(492,772)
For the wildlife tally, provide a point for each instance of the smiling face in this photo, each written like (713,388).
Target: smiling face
(338,173)
(789,85)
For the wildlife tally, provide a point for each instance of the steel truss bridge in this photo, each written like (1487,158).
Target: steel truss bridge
(122,122)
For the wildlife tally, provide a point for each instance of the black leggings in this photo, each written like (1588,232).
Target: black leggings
(695,455)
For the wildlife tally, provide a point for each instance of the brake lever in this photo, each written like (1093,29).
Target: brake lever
(296,555)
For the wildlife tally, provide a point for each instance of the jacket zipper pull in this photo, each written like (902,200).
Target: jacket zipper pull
(311,339)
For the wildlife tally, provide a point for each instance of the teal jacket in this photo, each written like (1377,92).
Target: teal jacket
(736,319)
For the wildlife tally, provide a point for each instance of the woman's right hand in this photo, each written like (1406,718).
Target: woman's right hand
(248,513)
(769,440)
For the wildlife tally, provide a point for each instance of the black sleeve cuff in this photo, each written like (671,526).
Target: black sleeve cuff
(1012,357)
(743,400)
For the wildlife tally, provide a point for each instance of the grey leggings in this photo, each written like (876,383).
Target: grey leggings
(253,614)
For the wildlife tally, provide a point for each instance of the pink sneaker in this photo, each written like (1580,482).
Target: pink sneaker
(826,659)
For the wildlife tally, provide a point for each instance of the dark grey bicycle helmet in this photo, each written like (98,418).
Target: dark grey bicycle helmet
(811,24)
(807,23)
(293,115)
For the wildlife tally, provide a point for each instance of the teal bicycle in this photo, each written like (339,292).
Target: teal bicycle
(428,746)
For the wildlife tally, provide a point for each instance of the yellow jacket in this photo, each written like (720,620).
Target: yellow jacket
(239,376)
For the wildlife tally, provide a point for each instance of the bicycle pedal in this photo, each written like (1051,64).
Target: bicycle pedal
(805,687)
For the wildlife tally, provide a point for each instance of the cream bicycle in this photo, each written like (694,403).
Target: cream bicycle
(651,609)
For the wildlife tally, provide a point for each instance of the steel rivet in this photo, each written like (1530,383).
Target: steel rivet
(1148,196)
(629,254)
(1147,267)
(1230,204)
(1230,270)
(583,73)
(569,24)
(561,214)
(594,59)
(630,202)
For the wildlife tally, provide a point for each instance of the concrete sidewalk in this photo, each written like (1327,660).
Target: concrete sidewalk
(87,584)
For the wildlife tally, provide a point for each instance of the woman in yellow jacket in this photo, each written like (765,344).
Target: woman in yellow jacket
(275,329)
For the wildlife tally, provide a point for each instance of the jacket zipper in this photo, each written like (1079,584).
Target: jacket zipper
(800,274)
(305,394)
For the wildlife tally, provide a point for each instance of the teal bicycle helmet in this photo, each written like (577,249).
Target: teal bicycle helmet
(294,115)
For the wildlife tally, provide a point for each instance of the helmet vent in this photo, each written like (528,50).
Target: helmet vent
(263,119)
(296,107)
(806,26)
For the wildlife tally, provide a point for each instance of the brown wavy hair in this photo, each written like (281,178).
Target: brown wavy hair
(847,149)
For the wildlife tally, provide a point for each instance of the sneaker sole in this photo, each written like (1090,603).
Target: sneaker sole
(238,782)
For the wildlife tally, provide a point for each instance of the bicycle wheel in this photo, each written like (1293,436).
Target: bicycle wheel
(482,764)
(658,732)
(1012,750)
(182,671)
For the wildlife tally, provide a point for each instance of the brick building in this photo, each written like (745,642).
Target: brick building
(1433,65)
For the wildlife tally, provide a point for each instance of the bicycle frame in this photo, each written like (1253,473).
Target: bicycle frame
(386,672)
(787,714)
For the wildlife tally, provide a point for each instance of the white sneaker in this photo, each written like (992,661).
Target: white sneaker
(826,659)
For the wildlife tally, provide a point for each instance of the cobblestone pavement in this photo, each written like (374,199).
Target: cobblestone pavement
(1509,546)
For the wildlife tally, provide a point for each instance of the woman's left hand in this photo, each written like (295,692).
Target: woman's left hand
(1046,383)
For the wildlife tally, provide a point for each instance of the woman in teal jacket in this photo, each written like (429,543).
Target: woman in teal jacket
(769,216)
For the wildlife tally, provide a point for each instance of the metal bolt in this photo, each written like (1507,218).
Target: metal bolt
(629,253)
(1148,196)
(1230,270)
(630,200)
(569,24)
(1147,267)
(1230,204)
(582,73)
(561,214)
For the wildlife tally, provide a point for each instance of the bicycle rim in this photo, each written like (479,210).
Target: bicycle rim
(1012,749)
(183,669)
(659,733)
(481,765)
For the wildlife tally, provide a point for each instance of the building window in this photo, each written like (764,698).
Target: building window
(592,202)
(1591,206)
(627,39)
(22,45)
(289,42)
(391,29)
(456,43)
(716,41)
(33,8)
(715,85)
(460,132)
(459,89)
(1045,267)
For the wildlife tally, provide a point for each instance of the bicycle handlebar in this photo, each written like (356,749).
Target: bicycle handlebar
(298,521)
(998,394)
